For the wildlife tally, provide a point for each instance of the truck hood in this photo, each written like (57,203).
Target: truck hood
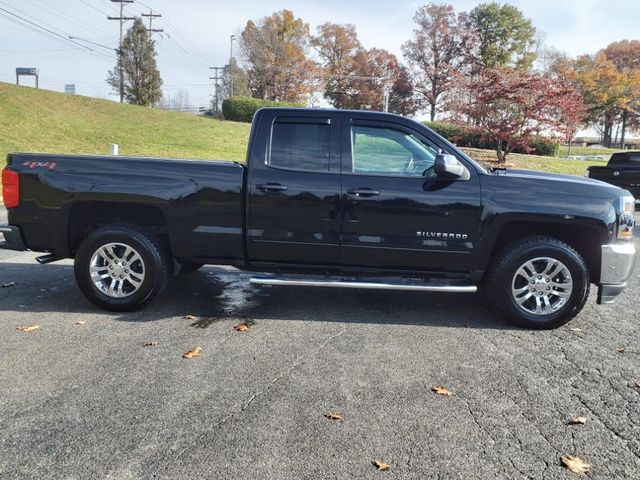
(537,176)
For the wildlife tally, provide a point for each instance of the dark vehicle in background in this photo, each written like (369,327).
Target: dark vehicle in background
(623,170)
(327,198)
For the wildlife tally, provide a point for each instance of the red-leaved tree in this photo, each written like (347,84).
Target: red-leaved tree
(510,106)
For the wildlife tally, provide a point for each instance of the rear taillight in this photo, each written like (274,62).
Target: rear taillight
(10,188)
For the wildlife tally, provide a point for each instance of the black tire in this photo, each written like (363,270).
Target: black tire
(154,264)
(502,277)
(188,267)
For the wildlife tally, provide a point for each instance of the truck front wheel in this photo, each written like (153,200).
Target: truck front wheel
(539,282)
(121,268)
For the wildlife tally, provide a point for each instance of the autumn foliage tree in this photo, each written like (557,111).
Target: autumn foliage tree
(357,78)
(337,46)
(603,91)
(441,49)
(510,106)
(274,50)
(625,55)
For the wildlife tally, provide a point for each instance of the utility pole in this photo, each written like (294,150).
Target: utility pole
(121,19)
(151,16)
(232,38)
(215,79)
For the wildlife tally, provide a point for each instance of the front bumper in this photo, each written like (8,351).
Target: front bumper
(618,260)
(12,238)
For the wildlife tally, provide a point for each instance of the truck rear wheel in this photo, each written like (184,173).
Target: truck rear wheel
(121,268)
(539,282)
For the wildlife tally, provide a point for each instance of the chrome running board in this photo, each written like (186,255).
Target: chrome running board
(415,286)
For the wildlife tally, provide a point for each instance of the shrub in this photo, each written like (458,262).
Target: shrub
(464,136)
(547,147)
(242,109)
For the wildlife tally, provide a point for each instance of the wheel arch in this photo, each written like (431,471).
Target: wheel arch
(87,216)
(585,238)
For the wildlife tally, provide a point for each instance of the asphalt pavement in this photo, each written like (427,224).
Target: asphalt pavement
(84,398)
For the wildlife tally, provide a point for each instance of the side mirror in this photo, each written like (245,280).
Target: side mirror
(448,166)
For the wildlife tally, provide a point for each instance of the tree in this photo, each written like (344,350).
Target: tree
(603,90)
(625,55)
(507,38)
(232,73)
(337,46)
(440,50)
(274,50)
(137,62)
(178,102)
(402,98)
(510,106)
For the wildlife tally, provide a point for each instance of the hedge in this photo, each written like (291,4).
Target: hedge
(242,109)
(464,136)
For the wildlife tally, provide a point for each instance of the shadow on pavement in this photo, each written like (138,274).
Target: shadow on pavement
(213,295)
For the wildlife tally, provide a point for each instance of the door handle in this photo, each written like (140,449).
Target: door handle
(271,187)
(363,192)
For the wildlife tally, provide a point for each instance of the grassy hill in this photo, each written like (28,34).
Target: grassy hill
(42,121)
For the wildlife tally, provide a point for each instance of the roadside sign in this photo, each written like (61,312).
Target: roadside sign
(26,71)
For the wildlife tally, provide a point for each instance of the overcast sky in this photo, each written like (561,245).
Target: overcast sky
(196,33)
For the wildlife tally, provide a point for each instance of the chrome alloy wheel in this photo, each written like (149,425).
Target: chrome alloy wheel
(117,270)
(542,286)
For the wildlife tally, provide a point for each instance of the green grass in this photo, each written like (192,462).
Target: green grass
(42,121)
(564,151)
(534,162)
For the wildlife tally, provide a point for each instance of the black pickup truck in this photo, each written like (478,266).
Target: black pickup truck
(623,170)
(327,198)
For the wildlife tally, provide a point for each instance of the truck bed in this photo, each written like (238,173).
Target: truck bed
(622,171)
(199,201)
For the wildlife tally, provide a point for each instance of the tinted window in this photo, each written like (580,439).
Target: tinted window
(384,151)
(301,146)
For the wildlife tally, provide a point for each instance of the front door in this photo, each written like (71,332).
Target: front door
(294,189)
(396,212)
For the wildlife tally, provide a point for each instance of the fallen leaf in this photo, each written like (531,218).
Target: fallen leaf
(195,352)
(575,464)
(381,465)
(241,327)
(578,421)
(440,390)
(190,317)
(150,344)
(27,329)
(8,284)
(620,349)
(333,415)
(638,384)
(81,322)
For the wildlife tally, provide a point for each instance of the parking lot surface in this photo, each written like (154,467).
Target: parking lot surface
(83,397)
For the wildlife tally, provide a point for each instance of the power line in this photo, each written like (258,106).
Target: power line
(94,7)
(37,28)
(65,16)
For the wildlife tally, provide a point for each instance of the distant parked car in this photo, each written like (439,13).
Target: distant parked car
(623,170)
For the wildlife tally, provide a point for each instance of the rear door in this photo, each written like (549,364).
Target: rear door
(397,213)
(294,189)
